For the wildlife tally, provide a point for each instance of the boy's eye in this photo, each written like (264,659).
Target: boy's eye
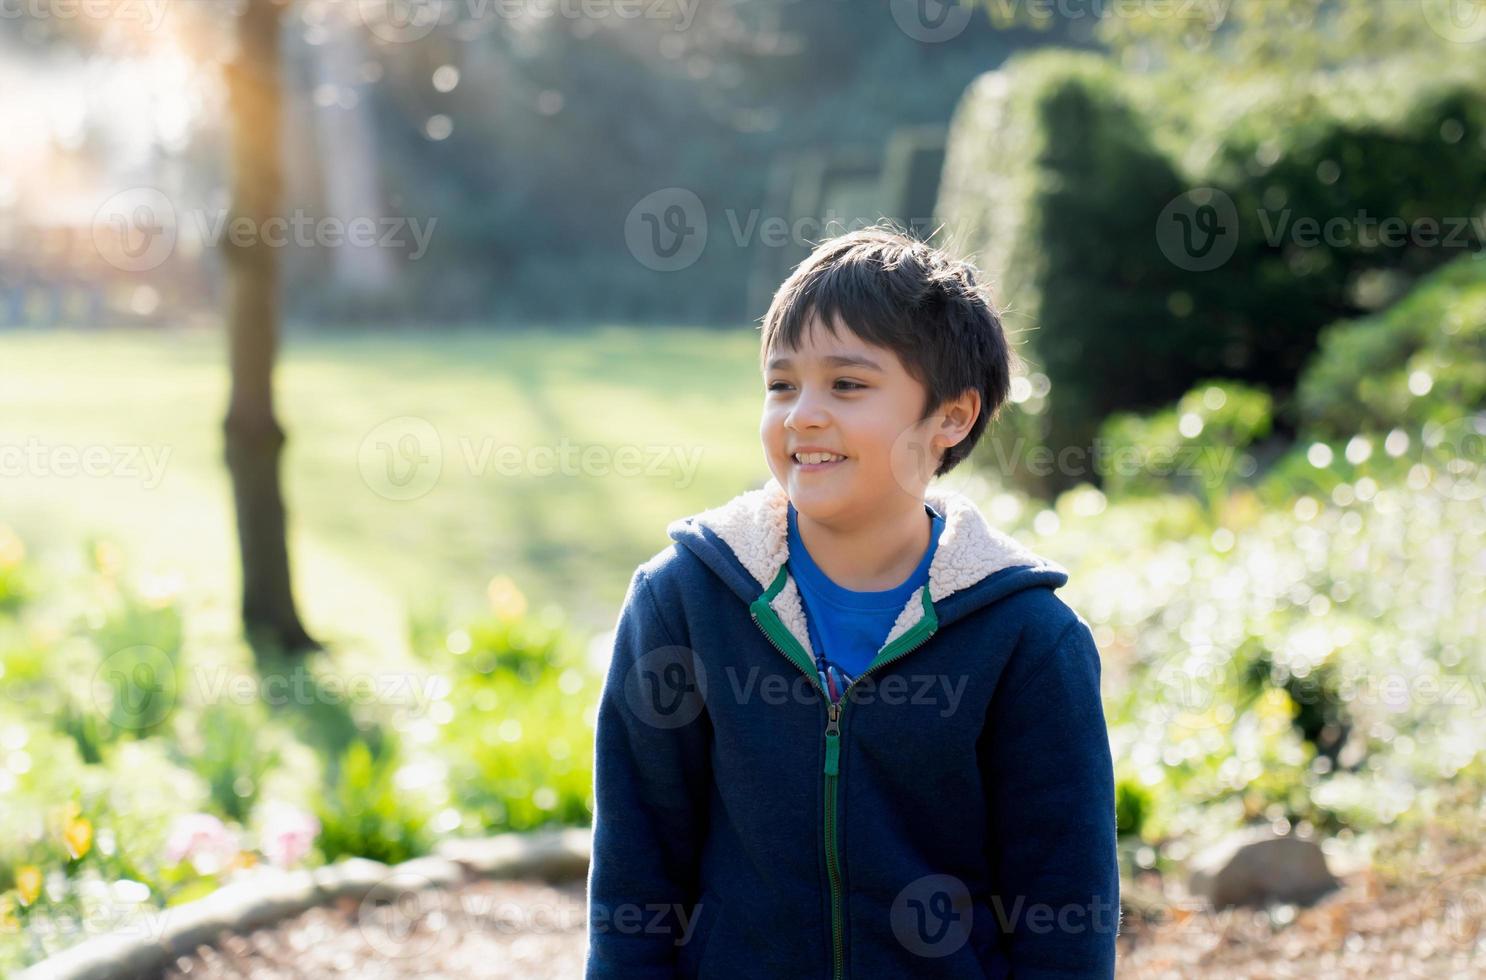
(778,385)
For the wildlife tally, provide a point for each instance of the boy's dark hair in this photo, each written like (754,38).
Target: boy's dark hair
(895,291)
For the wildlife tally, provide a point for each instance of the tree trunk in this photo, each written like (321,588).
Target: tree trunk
(254,440)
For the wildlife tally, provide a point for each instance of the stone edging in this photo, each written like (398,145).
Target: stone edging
(270,895)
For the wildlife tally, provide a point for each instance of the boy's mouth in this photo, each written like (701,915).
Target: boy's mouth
(816,461)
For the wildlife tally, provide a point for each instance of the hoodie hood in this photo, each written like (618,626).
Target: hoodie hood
(746,543)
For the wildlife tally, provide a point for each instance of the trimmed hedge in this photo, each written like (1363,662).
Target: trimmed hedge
(1059,169)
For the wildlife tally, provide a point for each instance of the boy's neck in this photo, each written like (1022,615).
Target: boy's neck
(874,557)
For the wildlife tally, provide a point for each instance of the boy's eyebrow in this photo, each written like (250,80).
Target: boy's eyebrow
(835,360)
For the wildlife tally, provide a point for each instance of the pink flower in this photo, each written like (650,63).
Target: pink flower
(203,839)
(288,834)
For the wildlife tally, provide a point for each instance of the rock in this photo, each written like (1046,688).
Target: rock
(1142,905)
(554,855)
(1257,867)
(267,896)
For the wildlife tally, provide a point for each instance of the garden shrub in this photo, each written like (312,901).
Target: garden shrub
(1421,360)
(520,750)
(364,811)
(1061,166)
(1195,446)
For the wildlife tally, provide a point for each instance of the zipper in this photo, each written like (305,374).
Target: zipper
(833,859)
(780,637)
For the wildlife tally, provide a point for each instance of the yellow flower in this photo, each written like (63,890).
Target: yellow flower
(505,598)
(108,558)
(28,883)
(11,548)
(1242,509)
(78,836)
(8,920)
(242,859)
(1275,709)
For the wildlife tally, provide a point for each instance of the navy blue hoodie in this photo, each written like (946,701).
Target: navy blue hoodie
(951,815)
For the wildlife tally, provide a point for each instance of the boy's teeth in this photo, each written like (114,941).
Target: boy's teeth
(816,457)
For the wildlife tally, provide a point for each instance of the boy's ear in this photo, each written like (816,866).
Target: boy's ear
(956,416)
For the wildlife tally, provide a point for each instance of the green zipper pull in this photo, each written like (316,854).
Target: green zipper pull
(833,739)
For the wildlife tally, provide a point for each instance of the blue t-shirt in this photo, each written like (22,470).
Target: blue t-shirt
(847,628)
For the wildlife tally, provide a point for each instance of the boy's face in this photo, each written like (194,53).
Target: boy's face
(866,409)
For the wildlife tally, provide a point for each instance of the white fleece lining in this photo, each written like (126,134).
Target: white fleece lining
(755,524)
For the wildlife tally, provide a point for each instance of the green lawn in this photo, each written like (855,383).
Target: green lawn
(687,400)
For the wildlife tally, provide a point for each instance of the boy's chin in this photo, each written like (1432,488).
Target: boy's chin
(823,497)
(819,496)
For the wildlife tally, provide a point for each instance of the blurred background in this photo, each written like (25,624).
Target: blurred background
(353,353)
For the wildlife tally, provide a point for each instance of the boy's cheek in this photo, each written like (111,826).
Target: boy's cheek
(770,435)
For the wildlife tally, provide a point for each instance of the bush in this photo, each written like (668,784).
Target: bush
(364,812)
(233,753)
(14,588)
(520,738)
(1421,360)
(1059,171)
(1189,447)
(1023,192)
(1313,662)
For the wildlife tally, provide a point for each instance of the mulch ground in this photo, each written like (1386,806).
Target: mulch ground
(487,929)
(1365,929)
(1422,916)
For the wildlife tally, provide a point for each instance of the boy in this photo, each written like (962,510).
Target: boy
(849,730)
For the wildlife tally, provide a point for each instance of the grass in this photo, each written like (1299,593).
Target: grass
(381,575)
(363,560)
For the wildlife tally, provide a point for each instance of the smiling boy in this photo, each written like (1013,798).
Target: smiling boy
(849,729)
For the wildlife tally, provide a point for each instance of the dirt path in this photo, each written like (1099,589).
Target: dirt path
(486,929)
(1364,930)
(1430,927)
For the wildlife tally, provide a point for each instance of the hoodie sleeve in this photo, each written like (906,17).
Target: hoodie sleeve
(651,784)
(1051,839)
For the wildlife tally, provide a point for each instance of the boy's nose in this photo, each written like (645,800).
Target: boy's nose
(807,411)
